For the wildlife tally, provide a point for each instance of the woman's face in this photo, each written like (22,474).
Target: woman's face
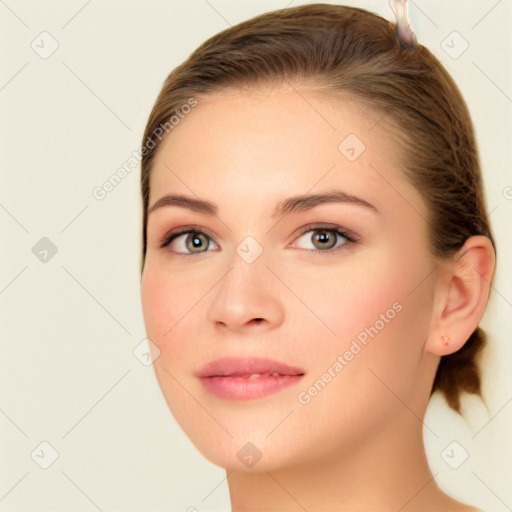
(272,278)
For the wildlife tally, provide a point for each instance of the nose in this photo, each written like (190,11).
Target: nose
(247,297)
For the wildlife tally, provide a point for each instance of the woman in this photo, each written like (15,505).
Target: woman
(316,258)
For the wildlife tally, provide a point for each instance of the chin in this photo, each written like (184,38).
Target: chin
(249,457)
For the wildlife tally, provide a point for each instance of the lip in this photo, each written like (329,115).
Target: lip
(229,378)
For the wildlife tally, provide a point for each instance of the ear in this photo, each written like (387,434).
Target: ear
(461,295)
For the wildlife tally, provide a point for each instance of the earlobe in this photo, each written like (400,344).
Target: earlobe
(461,296)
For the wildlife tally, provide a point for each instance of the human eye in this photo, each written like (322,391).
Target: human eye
(328,238)
(197,241)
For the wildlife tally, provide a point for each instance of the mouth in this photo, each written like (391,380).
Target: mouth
(247,378)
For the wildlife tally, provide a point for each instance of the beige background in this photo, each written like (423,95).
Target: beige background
(70,325)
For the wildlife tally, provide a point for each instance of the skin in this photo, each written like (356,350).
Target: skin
(357,444)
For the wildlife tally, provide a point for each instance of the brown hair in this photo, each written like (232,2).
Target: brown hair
(352,51)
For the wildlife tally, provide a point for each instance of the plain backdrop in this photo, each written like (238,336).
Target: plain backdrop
(69,277)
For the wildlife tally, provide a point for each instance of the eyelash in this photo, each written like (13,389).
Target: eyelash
(338,230)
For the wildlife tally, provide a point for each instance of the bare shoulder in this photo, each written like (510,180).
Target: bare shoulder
(452,505)
(463,507)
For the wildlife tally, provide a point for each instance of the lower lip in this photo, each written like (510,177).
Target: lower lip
(244,388)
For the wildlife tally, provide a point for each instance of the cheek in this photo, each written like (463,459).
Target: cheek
(173,303)
(377,317)
(345,299)
(164,303)
(155,303)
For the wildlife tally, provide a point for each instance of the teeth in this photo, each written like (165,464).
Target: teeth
(253,375)
(256,375)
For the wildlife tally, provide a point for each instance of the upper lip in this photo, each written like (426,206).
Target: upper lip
(242,366)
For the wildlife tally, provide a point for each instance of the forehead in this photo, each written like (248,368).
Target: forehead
(259,145)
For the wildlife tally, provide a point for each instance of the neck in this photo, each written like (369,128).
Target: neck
(388,473)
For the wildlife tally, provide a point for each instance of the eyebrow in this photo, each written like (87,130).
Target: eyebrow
(293,204)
